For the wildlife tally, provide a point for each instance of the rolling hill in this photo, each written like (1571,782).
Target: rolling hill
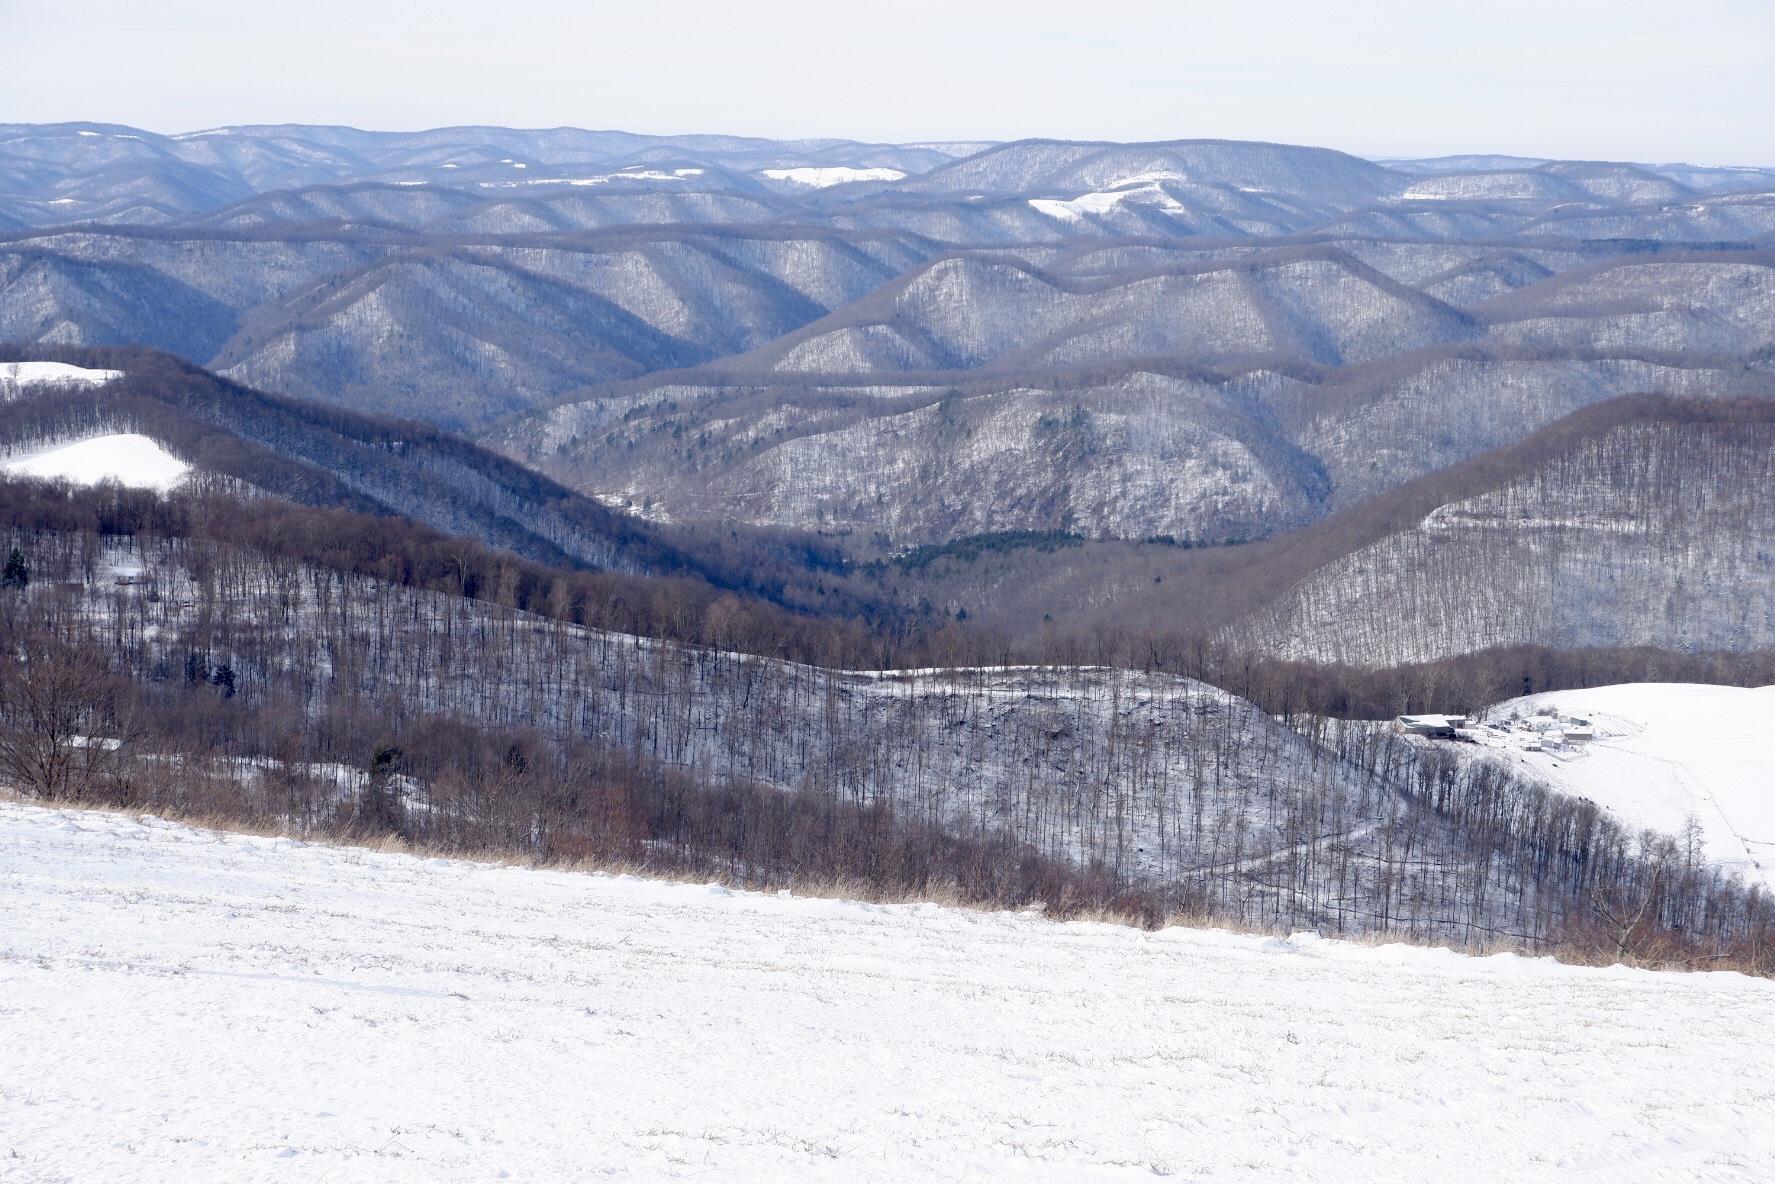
(457,335)
(262,963)
(167,413)
(1637,522)
(1069,168)
(960,314)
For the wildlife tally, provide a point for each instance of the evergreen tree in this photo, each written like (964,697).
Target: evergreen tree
(16,575)
(379,808)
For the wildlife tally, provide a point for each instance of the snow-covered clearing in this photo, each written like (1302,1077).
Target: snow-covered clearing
(1106,201)
(819,178)
(127,458)
(1662,753)
(181,1005)
(15,376)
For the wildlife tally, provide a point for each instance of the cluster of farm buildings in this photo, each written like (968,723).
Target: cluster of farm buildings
(1551,734)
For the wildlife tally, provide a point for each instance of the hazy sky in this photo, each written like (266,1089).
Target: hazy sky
(1615,79)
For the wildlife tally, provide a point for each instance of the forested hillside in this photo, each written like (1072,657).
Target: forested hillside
(457,717)
(1647,524)
(250,441)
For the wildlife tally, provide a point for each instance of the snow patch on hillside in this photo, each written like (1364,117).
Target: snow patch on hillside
(819,178)
(1053,207)
(186,1005)
(127,458)
(1663,753)
(1145,193)
(16,376)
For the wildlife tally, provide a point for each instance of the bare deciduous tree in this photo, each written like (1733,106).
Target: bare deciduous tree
(65,717)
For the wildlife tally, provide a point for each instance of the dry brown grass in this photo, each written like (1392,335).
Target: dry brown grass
(945,895)
(862,891)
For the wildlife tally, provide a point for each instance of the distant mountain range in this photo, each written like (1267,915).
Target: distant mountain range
(1189,343)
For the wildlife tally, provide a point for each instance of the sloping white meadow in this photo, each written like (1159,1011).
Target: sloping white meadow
(1662,754)
(128,458)
(185,1005)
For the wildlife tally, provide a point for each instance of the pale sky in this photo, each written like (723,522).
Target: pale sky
(1598,79)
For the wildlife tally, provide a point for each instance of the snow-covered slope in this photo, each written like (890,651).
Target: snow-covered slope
(182,1005)
(1663,753)
(16,376)
(127,458)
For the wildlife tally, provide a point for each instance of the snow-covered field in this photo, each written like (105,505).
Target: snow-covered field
(1663,753)
(181,1005)
(128,458)
(15,376)
(1133,192)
